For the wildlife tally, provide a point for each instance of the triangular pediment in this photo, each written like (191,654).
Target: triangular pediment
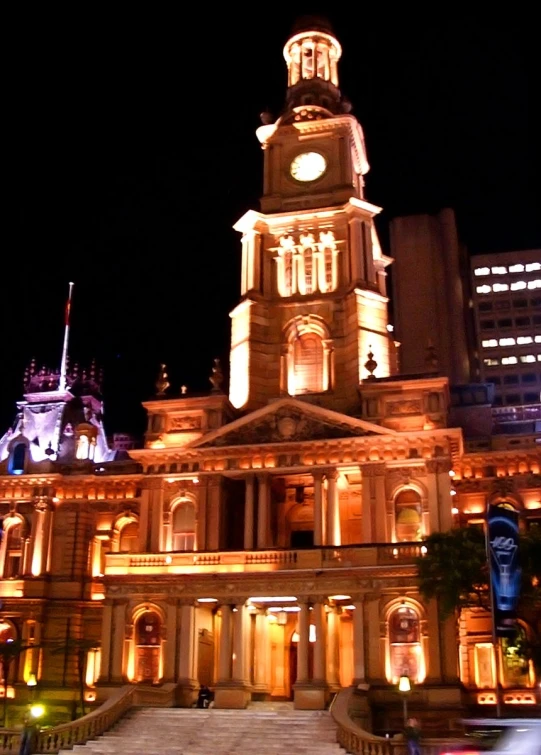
(289,420)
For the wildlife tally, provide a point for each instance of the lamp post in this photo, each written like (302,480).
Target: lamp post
(31,684)
(404,687)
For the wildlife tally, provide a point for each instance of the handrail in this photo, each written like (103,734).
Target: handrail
(360,742)
(75,732)
(89,726)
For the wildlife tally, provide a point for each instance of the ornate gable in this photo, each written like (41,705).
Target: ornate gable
(289,420)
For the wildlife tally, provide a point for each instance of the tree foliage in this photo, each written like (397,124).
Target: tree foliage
(78,648)
(10,650)
(454,570)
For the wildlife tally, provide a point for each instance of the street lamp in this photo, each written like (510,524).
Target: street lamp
(31,684)
(404,687)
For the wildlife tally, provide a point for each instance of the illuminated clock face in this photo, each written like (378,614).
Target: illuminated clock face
(308,166)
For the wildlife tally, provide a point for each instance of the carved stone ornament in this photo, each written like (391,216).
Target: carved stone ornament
(403,408)
(185,422)
(287,425)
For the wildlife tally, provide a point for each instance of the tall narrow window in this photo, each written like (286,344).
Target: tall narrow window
(408,516)
(12,566)
(308,364)
(184,527)
(18,459)
(405,650)
(129,538)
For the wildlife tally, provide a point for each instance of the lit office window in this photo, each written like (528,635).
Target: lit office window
(521,340)
(534,284)
(527,358)
(499,270)
(538,339)
(516,269)
(509,360)
(483,289)
(497,287)
(518,285)
(491,362)
(507,341)
(489,343)
(482,270)
(531,266)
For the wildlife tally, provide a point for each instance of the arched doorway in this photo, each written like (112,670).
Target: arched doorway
(148,638)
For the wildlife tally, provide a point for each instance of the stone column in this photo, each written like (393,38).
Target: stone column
(262,652)
(373,502)
(239,642)
(187,687)
(318,507)
(249,514)
(117,644)
(40,538)
(303,643)
(333,648)
(170,645)
(150,520)
(359,669)
(106,640)
(224,665)
(320,660)
(213,512)
(201,522)
(263,511)
(333,510)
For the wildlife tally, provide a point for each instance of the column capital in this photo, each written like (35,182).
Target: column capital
(331,474)
(214,480)
(317,474)
(373,469)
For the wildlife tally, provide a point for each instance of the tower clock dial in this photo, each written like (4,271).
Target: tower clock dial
(308,166)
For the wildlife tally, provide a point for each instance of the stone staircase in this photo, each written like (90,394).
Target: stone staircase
(276,730)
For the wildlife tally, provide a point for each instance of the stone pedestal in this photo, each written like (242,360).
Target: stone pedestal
(232,695)
(186,692)
(310,696)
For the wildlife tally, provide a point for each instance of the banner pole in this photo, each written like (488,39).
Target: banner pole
(493,616)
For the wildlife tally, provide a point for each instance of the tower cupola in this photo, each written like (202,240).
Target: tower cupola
(312,54)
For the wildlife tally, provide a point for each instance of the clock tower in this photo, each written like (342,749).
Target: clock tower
(314,302)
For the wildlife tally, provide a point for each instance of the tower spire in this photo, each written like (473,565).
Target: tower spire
(64,361)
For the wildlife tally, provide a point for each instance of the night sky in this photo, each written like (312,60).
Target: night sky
(131,151)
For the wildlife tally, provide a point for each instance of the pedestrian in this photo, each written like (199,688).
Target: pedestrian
(204,697)
(29,735)
(412,734)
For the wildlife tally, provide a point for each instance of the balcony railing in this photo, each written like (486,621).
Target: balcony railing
(262,560)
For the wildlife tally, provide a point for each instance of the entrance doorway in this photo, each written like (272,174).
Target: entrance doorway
(302,539)
(148,647)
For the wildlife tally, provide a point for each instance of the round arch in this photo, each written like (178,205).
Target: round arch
(307,357)
(406,640)
(125,533)
(146,644)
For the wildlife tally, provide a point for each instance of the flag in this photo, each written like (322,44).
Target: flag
(68,307)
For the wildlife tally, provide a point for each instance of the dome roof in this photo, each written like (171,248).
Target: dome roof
(312,23)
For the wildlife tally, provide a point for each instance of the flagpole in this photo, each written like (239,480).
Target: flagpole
(64,362)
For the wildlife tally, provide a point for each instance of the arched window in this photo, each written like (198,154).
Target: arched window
(307,362)
(148,642)
(405,650)
(184,527)
(12,564)
(17,461)
(408,514)
(129,538)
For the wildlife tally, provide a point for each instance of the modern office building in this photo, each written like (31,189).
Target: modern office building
(506,294)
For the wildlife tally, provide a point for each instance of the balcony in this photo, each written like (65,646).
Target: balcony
(328,557)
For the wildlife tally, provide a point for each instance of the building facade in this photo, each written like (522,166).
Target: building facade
(506,292)
(263,542)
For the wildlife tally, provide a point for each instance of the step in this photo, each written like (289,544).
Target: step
(188,731)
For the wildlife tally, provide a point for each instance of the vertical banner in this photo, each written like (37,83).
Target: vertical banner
(505,572)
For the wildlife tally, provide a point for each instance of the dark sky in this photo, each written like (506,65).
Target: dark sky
(131,150)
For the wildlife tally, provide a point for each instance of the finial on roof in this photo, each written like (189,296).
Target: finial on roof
(162,383)
(370,365)
(183,390)
(217,377)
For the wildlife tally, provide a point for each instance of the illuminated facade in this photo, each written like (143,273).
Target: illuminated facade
(264,543)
